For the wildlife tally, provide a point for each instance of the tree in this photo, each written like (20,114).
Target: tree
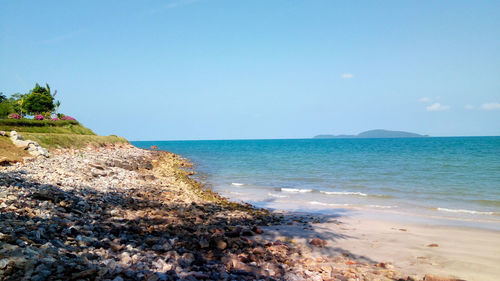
(39,101)
(5,108)
(57,104)
(2,97)
(16,101)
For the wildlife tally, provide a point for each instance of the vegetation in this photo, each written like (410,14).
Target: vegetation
(9,152)
(39,101)
(44,126)
(49,140)
(35,116)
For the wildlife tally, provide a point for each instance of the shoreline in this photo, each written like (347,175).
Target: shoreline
(272,198)
(122,213)
(415,244)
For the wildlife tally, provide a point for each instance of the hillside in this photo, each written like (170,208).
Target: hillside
(374,134)
(49,134)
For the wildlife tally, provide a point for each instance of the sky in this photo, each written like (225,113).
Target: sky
(225,69)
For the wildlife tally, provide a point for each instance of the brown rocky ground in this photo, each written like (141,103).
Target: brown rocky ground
(122,213)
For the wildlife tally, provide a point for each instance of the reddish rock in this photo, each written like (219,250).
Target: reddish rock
(433,245)
(318,242)
(257,230)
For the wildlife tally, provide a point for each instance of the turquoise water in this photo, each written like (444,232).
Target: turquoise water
(451,178)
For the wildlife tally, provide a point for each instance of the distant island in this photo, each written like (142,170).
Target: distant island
(374,134)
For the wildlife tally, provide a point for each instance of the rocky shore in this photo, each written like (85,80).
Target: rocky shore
(122,213)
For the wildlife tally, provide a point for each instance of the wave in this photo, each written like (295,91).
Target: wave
(295,190)
(277,195)
(237,184)
(327,204)
(382,206)
(465,211)
(343,193)
(236,193)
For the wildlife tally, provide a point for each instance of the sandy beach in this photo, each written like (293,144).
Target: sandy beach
(415,249)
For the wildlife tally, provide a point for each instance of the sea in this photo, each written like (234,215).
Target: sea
(433,180)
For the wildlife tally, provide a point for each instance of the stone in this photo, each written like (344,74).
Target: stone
(221,245)
(98,173)
(433,245)
(204,243)
(187,258)
(317,242)
(257,230)
(84,274)
(31,146)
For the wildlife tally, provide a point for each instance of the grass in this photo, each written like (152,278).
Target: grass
(50,140)
(9,152)
(43,126)
(37,123)
(49,134)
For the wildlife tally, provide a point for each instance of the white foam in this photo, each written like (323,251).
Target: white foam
(236,193)
(295,190)
(236,184)
(343,193)
(382,206)
(465,211)
(277,195)
(326,204)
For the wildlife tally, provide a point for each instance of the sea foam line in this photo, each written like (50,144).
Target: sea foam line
(277,195)
(465,211)
(343,193)
(382,206)
(295,190)
(237,184)
(326,204)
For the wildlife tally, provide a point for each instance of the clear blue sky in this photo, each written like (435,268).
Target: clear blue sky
(162,70)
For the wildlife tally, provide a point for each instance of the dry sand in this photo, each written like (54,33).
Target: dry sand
(466,253)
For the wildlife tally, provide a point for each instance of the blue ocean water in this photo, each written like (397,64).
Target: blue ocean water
(453,177)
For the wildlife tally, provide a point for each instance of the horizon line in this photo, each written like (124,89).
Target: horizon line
(312,138)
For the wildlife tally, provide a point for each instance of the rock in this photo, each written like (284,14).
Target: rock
(221,245)
(247,232)
(384,265)
(257,230)
(232,234)
(83,274)
(204,243)
(318,242)
(125,258)
(433,245)
(98,173)
(3,263)
(187,259)
(3,134)
(31,146)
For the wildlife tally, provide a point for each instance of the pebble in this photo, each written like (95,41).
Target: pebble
(122,213)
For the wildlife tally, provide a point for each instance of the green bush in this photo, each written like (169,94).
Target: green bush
(37,123)
(5,108)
